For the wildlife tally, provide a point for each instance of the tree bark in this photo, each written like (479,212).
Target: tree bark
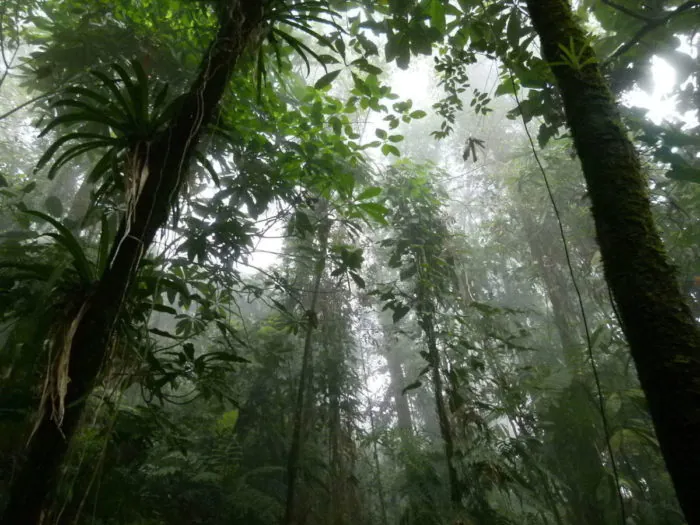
(663,336)
(290,514)
(426,316)
(397,383)
(168,160)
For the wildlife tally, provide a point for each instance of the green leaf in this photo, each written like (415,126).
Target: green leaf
(380,133)
(437,15)
(412,386)
(389,149)
(400,311)
(418,114)
(66,238)
(53,206)
(162,333)
(188,349)
(359,281)
(227,421)
(374,210)
(164,309)
(513,29)
(369,193)
(545,133)
(327,59)
(327,79)
(337,125)
(684,173)
(369,68)
(82,137)
(504,88)
(29,187)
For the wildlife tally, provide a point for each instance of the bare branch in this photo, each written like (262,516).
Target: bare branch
(3,52)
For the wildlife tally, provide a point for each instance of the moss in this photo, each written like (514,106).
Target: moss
(663,336)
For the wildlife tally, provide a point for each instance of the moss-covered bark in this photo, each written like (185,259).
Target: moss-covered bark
(663,336)
(241,26)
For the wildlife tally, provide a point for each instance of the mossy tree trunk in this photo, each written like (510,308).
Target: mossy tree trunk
(240,29)
(662,334)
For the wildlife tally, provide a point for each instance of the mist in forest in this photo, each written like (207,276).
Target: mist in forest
(332,263)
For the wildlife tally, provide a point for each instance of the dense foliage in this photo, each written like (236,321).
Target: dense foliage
(322,262)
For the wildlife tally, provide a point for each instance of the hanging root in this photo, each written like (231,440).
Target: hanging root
(57,376)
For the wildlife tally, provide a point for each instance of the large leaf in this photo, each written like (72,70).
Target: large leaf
(66,239)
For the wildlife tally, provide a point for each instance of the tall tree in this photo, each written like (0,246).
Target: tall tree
(419,251)
(302,396)
(159,166)
(663,336)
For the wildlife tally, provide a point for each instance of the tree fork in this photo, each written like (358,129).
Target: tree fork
(663,336)
(241,26)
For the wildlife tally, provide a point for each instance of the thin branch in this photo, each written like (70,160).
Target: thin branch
(3,52)
(27,103)
(627,11)
(650,26)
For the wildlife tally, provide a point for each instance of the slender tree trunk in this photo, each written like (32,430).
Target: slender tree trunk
(375,450)
(168,160)
(290,516)
(397,384)
(562,310)
(662,334)
(335,511)
(428,324)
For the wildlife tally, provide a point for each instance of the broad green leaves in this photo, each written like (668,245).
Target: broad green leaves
(67,240)
(327,79)
(126,112)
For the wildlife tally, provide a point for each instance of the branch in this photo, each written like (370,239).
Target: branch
(25,104)
(650,26)
(627,11)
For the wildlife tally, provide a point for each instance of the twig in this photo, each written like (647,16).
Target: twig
(8,64)
(27,103)
(650,26)
(628,12)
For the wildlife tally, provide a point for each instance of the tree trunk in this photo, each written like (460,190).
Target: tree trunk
(290,515)
(662,334)
(428,324)
(397,384)
(375,451)
(562,309)
(335,460)
(168,160)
